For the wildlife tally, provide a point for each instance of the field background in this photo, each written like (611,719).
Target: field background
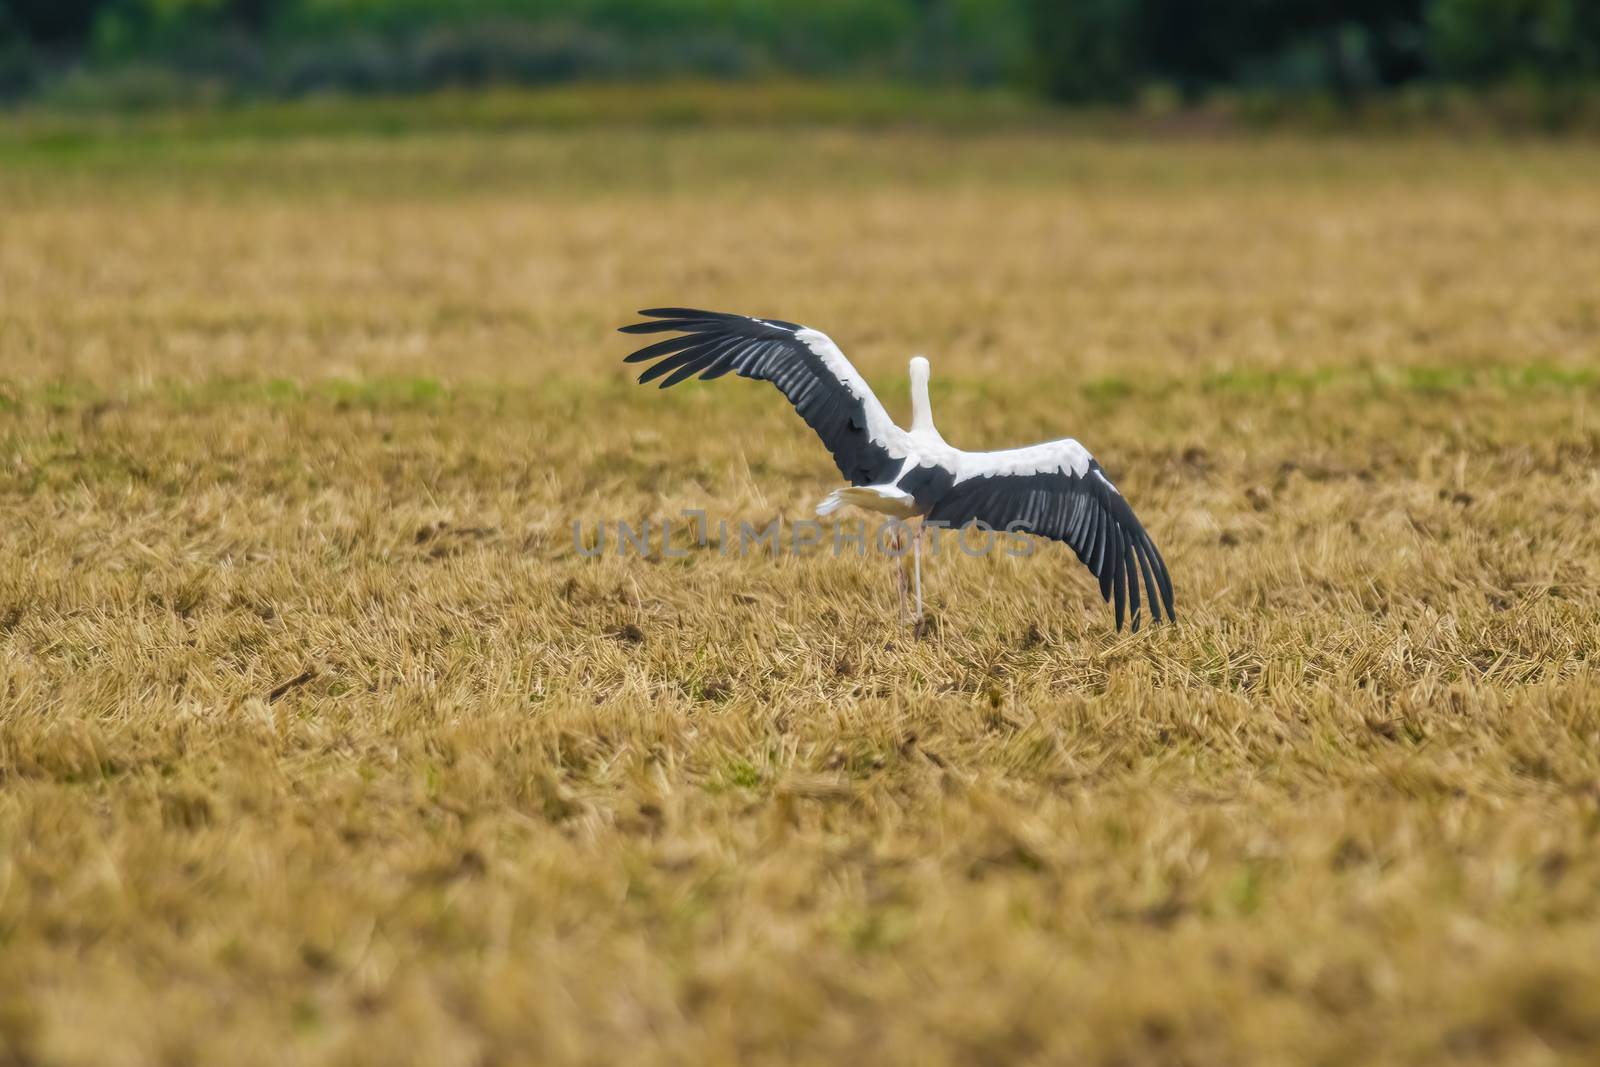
(319,744)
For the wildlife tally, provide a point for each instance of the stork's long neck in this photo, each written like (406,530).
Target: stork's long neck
(921,410)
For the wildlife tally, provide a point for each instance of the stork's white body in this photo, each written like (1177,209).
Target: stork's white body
(921,441)
(924,446)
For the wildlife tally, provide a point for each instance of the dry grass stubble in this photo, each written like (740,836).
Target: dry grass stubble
(318,743)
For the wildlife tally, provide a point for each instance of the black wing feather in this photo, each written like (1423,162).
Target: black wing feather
(1083,511)
(712,343)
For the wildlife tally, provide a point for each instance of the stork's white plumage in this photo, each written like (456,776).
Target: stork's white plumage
(1054,489)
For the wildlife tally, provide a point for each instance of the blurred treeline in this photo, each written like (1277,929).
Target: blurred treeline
(152,51)
(1110,49)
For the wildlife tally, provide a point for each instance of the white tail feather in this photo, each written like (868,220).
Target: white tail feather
(884,499)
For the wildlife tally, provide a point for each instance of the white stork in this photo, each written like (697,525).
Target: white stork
(1054,490)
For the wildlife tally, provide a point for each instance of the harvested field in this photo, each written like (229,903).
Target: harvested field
(320,743)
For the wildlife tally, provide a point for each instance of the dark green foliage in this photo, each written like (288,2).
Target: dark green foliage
(1088,50)
(1074,50)
(1108,49)
(288,47)
(49,22)
(1480,41)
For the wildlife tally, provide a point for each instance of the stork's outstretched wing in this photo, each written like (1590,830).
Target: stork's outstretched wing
(805,364)
(1057,490)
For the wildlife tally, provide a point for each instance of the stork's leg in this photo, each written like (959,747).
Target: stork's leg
(900,568)
(916,558)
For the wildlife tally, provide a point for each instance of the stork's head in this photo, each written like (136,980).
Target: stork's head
(919,369)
